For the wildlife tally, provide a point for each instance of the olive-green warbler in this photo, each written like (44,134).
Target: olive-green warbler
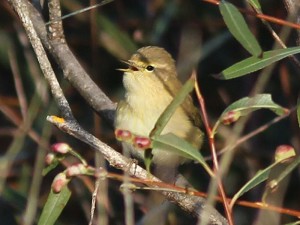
(150,85)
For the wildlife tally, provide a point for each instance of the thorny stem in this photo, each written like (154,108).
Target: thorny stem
(213,150)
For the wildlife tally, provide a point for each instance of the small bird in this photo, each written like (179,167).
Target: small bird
(150,85)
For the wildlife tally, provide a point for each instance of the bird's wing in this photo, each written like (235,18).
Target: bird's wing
(173,85)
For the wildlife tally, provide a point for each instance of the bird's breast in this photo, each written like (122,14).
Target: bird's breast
(139,112)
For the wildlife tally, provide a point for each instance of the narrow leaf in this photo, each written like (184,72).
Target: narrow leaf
(169,111)
(148,156)
(247,105)
(170,142)
(259,177)
(263,175)
(277,176)
(255,4)
(287,170)
(55,204)
(50,167)
(239,28)
(253,63)
(256,102)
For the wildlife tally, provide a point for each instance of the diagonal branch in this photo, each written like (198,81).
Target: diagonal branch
(72,70)
(194,205)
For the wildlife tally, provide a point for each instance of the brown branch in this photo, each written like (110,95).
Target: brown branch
(213,151)
(255,205)
(70,66)
(194,205)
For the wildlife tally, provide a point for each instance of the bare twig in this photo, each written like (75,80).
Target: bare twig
(104,2)
(15,147)
(72,69)
(213,151)
(293,8)
(18,82)
(253,133)
(94,199)
(263,16)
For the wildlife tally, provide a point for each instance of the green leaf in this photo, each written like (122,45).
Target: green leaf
(287,170)
(169,111)
(277,175)
(239,28)
(259,177)
(50,167)
(148,156)
(56,202)
(255,4)
(250,104)
(246,105)
(263,175)
(253,63)
(170,142)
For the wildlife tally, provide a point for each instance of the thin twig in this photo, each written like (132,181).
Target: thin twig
(33,66)
(256,205)
(104,2)
(94,200)
(72,69)
(17,143)
(293,7)
(280,42)
(262,16)
(213,151)
(18,82)
(253,133)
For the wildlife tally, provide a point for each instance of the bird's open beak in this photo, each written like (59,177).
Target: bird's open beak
(124,70)
(130,68)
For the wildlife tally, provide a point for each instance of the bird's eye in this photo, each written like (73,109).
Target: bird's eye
(150,68)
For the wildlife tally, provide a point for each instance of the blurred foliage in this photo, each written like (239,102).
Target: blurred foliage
(192,31)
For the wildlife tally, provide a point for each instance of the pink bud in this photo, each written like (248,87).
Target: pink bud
(59,182)
(123,135)
(77,169)
(61,148)
(231,117)
(284,152)
(142,142)
(50,157)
